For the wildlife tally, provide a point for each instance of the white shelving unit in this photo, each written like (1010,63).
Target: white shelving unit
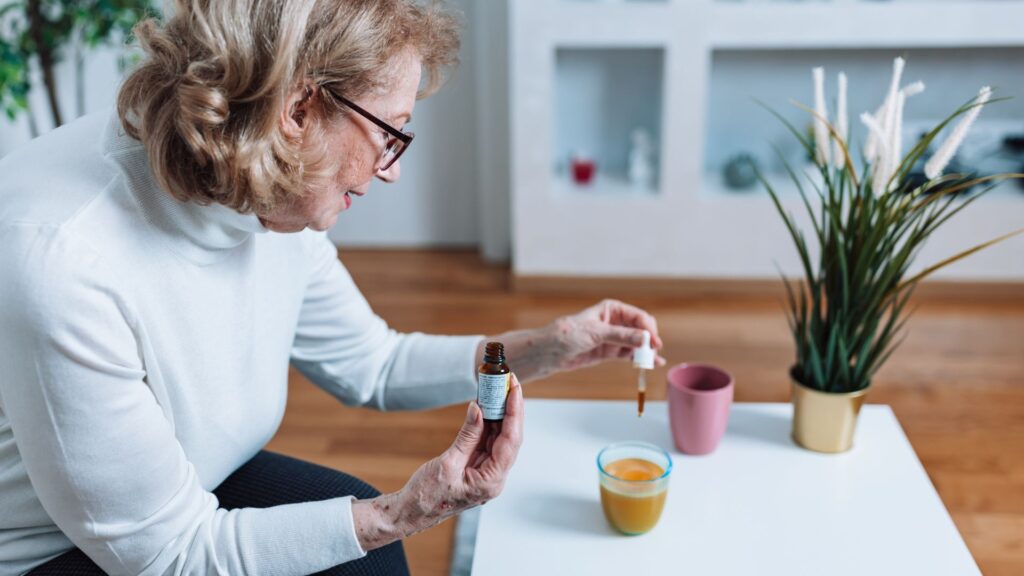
(691,225)
(865,24)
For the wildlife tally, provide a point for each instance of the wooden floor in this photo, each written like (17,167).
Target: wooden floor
(957,386)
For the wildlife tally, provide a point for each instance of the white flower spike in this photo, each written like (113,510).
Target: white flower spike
(938,162)
(883,115)
(913,89)
(842,123)
(896,136)
(821,136)
(879,178)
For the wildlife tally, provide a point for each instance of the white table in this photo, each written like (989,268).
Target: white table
(757,505)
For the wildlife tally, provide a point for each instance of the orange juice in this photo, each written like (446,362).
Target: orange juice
(631,498)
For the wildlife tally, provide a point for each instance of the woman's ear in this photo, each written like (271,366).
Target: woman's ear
(296,111)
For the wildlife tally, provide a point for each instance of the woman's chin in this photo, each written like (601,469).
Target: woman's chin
(324,224)
(282,228)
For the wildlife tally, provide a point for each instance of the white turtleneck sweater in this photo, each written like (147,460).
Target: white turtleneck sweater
(144,350)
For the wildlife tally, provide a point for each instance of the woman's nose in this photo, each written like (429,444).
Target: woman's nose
(392,174)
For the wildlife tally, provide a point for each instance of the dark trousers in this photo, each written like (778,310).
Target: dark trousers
(269,480)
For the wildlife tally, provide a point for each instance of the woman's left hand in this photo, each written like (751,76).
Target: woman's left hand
(608,330)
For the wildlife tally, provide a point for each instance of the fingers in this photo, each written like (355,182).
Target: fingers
(601,311)
(628,315)
(508,433)
(474,469)
(623,336)
(468,438)
(483,450)
(491,436)
(479,458)
(627,353)
(506,445)
(617,313)
(514,403)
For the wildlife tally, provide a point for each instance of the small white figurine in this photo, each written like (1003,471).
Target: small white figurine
(641,159)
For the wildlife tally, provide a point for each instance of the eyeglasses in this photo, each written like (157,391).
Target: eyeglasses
(398,141)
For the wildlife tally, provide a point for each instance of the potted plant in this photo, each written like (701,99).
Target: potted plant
(44,31)
(868,225)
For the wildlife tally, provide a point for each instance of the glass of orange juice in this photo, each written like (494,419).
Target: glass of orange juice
(634,482)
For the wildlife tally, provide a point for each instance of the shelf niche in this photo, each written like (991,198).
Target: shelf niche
(601,96)
(737,124)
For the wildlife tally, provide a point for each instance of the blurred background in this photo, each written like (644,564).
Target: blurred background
(586,138)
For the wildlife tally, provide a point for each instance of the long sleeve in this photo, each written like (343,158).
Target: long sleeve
(101,452)
(346,349)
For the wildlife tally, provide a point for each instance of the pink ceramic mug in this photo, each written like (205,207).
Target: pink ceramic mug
(699,396)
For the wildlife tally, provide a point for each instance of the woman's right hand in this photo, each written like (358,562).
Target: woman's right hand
(469,473)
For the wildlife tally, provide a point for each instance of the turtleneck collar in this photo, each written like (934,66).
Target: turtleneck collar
(204,234)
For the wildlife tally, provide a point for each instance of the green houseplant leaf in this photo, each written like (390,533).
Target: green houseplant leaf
(46,30)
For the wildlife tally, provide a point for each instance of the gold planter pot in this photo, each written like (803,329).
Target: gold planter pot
(825,421)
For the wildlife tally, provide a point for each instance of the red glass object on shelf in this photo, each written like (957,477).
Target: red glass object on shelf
(582,168)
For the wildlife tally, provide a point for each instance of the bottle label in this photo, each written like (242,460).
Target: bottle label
(492,389)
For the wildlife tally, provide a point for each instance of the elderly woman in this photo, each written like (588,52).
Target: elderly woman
(162,267)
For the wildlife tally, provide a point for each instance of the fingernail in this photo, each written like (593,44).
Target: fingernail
(471,413)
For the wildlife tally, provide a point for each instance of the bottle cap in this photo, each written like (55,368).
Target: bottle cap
(643,357)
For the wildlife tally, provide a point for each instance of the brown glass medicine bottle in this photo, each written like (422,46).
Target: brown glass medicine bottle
(493,381)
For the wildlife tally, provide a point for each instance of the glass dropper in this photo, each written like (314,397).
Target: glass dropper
(643,358)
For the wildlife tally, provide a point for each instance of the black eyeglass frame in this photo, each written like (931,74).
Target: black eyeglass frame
(404,137)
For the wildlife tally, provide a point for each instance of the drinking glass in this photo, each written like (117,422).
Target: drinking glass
(634,483)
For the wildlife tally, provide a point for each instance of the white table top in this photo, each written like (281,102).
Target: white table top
(757,505)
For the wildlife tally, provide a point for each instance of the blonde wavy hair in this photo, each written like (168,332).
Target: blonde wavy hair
(206,101)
